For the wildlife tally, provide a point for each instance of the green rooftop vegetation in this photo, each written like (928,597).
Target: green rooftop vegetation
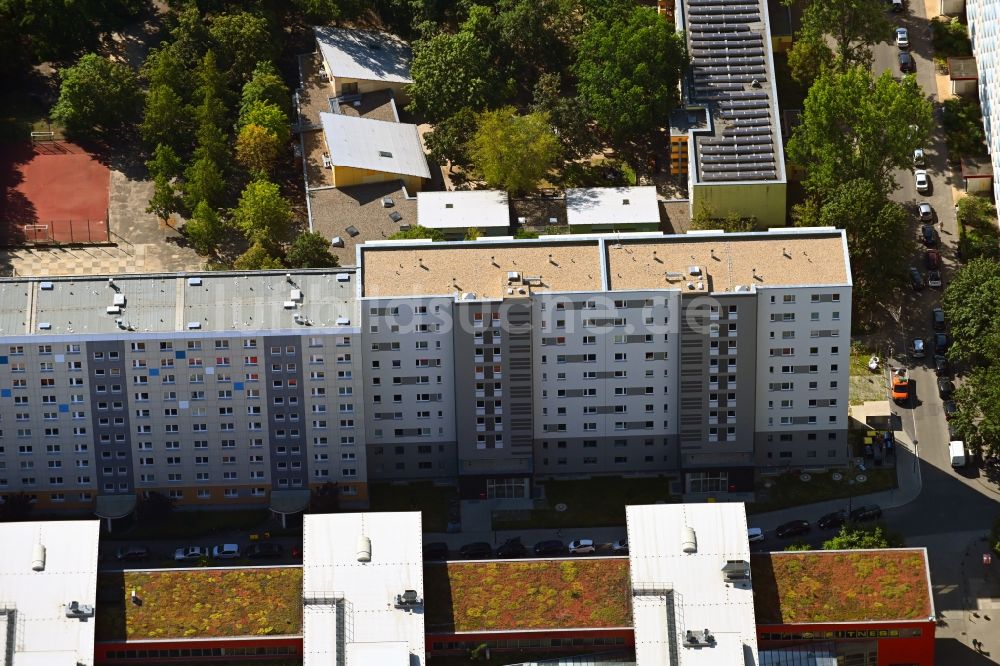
(872,585)
(200,603)
(525,595)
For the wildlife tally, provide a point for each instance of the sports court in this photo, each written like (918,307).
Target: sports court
(54,193)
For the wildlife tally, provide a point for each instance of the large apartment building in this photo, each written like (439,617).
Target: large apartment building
(489,363)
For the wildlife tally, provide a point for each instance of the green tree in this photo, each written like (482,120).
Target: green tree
(165,66)
(154,506)
(573,126)
(96,95)
(262,214)
(976,211)
(855,537)
(266,85)
(210,93)
(800,545)
(853,127)
(203,182)
(269,116)
(257,258)
(808,58)
(971,302)
(190,34)
(418,231)
(450,72)
(241,40)
(525,233)
(204,229)
(165,162)
(629,68)
(257,149)
(449,140)
(166,119)
(473,233)
(855,26)
(164,201)
(513,152)
(310,250)
(731,223)
(978,417)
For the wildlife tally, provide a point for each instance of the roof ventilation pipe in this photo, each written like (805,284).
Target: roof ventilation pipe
(364,549)
(689,542)
(38,557)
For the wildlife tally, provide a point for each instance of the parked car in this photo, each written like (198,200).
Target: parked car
(934,279)
(945,387)
(902,39)
(265,550)
(755,534)
(901,386)
(937,319)
(550,547)
(793,528)
(916,278)
(917,348)
(620,547)
(227,551)
(897,5)
(132,553)
(512,548)
(581,547)
(906,63)
(953,434)
(942,367)
(436,550)
(925,212)
(928,235)
(190,554)
(832,520)
(941,343)
(478,550)
(920,178)
(918,157)
(949,409)
(932,259)
(867,512)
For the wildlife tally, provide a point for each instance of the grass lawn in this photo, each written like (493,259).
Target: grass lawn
(871,585)
(193,524)
(430,500)
(22,115)
(541,594)
(595,502)
(201,602)
(865,384)
(788,490)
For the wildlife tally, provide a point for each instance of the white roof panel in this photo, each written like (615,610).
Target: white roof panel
(693,583)
(365,590)
(364,55)
(377,145)
(457,210)
(612,205)
(43,633)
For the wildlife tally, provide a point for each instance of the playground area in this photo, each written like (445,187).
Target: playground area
(55,193)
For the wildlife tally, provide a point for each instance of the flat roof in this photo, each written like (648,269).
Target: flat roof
(376,145)
(674,592)
(780,257)
(731,75)
(33,603)
(177,302)
(518,595)
(341,591)
(612,205)
(356,215)
(842,586)
(962,68)
(483,209)
(365,55)
(200,603)
(479,267)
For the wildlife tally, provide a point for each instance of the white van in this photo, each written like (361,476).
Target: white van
(956,451)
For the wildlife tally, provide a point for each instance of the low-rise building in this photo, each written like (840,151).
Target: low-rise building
(363,61)
(612,209)
(454,213)
(364,151)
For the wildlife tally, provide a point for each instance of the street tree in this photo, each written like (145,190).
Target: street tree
(855,26)
(978,417)
(310,250)
(449,140)
(511,151)
(257,149)
(204,229)
(451,71)
(262,214)
(972,305)
(855,127)
(266,85)
(257,258)
(628,68)
(855,537)
(97,95)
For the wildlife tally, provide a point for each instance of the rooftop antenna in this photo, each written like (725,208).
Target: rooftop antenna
(786,253)
(711,252)
(553,261)
(493,260)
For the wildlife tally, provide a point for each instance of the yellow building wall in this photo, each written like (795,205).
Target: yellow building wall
(398,89)
(347,176)
(765,201)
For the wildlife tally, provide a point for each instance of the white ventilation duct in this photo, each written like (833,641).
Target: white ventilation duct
(689,542)
(364,549)
(38,557)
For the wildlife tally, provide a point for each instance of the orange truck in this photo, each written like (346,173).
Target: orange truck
(900,386)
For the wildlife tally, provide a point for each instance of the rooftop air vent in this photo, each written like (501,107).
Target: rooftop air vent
(387,202)
(694,270)
(343,277)
(736,570)
(674,276)
(625,202)
(703,638)
(289,305)
(384,153)
(513,276)
(45,326)
(449,205)
(38,557)
(408,599)
(194,325)
(364,549)
(46,286)
(296,295)
(689,542)
(343,321)
(113,309)
(194,282)
(119,300)
(395,216)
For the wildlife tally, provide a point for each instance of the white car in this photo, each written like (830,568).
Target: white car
(581,547)
(919,159)
(227,551)
(620,547)
(902,38)
(925,211)
(920,178)
(190,554)
(755,534)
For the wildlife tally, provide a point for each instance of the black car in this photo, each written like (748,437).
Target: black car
(832,520)
(793,528)
(132,553)
(949,409)
(941,343)
(479,550)
(437,550)
(945,387)
(260,551)
(512,548)
(868,512)
(916,278)
(928,235)
(906,62)
(937,319)
(551,547)
(953,435)
(942,368)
